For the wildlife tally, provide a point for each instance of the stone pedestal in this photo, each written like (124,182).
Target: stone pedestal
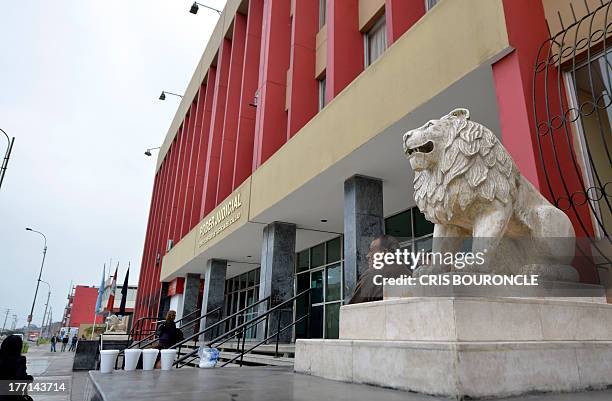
(467,347)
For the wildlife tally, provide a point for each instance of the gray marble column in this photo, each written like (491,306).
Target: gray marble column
(276,278)
(363,221)
(190,300)
(214,292)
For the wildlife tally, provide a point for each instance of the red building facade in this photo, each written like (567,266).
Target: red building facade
(277,65)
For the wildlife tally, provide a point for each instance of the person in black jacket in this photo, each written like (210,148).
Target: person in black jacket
(13,365)
(167,334)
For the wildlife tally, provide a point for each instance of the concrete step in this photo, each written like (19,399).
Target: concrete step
(249,359)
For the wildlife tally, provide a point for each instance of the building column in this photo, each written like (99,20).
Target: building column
(190,300)
(344,46)
(401,15)
(363,222)
(214,292)
(276,278)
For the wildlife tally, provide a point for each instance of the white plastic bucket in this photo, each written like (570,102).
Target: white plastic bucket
(167,358)
(131,358)
(107,360)
(148,358)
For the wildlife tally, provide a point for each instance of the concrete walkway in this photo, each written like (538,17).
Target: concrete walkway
(265,384)
(48,366)
(56,367)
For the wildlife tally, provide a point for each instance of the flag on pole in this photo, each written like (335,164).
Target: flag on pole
(124,292)
(111,295)
(100,291)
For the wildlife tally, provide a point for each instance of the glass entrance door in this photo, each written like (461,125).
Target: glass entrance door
(319,268)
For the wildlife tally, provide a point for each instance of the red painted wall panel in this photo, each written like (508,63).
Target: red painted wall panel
(271,120)
(198,201)
(194,144)
(345,57)
(213,157)
(243,159)
(304,88)
(513,76)
(232,109)
(401,15)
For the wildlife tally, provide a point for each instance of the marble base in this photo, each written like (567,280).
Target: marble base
(462,347)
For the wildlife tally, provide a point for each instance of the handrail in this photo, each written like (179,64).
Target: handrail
(142,319)
(241,355)
(207,314)
(218,323)
(239,329)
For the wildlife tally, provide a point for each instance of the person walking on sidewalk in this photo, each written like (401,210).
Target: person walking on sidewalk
(64,342)
(53,342)
(73,343)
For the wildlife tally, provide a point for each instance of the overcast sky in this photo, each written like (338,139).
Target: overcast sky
(79,88)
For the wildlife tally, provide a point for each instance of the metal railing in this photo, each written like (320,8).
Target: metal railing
(240,330)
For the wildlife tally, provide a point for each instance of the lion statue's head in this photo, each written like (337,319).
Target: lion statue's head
(457,161)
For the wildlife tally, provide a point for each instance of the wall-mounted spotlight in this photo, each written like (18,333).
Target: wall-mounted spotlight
(194,8)
(164,93)
(148,151)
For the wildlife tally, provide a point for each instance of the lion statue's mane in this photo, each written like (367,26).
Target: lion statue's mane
(474,165)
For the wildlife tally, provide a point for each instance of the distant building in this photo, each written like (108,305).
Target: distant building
(81,307)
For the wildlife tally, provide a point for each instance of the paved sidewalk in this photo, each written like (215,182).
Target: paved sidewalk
(56,367)
(267,384)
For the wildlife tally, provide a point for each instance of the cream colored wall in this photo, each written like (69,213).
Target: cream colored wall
(369,11)
(191,245)
(380,96)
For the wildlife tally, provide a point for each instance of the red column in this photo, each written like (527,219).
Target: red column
(232,108)
(243,159)
(344,46)
(204,132)
(514,80)
(401,15)
(182,178)
(148,243)
(304,88)
(216,128)
(271,121)
(191,167)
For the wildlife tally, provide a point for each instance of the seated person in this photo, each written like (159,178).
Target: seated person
(366,290)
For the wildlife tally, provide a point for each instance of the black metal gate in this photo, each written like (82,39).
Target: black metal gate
(572,108)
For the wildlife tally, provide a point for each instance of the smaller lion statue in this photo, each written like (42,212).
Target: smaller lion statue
(116,324)
(467,184)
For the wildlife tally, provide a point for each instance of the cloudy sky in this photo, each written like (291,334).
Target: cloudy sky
(79,88)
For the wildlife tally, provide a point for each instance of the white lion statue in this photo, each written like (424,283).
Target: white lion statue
(116,324)
(467,184)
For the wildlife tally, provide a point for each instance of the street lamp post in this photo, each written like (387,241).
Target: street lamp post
(7,155)
(37,282)
(42,325)
(5,319)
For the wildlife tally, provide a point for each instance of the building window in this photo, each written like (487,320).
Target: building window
(240,292)
(375,41)
(411,229)
(322,13)
(591,94)
(320,268)
(321,94)
(429,4)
